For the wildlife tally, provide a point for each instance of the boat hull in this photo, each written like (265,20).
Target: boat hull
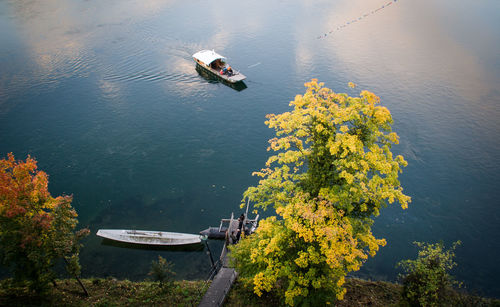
(237,77)
(212,78)
(146,237)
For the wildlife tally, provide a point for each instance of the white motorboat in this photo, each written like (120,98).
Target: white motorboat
(215,63)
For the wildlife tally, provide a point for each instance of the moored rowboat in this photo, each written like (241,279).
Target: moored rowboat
(147,237)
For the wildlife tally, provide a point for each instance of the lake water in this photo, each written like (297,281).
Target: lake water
(105,95)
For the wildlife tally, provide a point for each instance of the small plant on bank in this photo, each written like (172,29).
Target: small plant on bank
(162,272)
(426,279)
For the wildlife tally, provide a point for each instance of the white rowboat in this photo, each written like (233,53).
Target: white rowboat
(147,237)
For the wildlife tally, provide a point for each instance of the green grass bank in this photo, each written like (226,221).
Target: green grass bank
(112,292)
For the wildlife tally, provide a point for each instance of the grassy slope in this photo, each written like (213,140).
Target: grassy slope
(359,293)
(109,292)
(112,292)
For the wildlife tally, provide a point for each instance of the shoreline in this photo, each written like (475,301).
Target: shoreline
(113,292)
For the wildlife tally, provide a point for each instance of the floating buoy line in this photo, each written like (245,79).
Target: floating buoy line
(356,19)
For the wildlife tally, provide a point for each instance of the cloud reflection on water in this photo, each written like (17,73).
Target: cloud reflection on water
(61,38)
(408,42)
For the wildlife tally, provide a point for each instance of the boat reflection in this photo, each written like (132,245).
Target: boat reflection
(211,78)
(173,248)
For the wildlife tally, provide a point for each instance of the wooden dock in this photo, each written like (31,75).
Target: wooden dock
(223,281)
(220,287)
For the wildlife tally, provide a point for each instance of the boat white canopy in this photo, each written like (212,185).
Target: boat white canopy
(207,56)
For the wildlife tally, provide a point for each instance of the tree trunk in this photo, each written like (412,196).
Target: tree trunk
(78,279)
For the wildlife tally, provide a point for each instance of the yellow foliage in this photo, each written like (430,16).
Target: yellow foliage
(332,172)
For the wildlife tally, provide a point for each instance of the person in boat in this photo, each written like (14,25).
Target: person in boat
(241,220)
(217,64)
(229,71)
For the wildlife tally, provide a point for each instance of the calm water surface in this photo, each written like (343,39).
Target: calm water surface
(106,96)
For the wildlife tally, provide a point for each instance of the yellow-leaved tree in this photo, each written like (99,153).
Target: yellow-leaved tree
(332,173)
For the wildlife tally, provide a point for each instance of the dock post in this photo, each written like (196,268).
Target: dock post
(210,254)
